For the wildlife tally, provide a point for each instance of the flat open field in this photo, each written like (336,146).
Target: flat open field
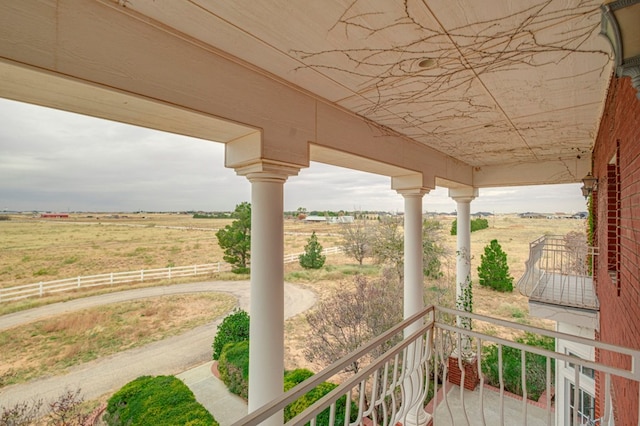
(35,249)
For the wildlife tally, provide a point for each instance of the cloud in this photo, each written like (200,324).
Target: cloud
(59,161)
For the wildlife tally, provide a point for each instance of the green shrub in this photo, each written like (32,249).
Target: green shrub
(292,378)
(536,366)
(476,225)
(233,328)
(161,400)
(493,271)
(233,367)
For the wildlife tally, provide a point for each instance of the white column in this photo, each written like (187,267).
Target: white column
(463,198)
(266,334)
(412,412)
(413,258)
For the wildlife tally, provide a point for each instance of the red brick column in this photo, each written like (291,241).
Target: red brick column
(471,374)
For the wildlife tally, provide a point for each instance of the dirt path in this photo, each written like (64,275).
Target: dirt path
(169,356)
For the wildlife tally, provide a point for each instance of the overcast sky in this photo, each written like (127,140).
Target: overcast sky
(56,161)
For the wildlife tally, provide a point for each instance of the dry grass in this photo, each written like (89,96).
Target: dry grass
(34,250)
(65,250)
(50,346)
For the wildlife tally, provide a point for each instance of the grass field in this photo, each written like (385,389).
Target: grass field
(33,250)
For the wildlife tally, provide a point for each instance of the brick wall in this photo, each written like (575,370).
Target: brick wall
(616,158)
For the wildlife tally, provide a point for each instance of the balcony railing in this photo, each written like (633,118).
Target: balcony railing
(403,375)
(559,272)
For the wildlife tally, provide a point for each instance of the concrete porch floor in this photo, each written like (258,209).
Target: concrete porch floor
(451,412)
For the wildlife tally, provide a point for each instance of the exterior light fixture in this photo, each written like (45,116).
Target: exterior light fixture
(621,26)
(589,184)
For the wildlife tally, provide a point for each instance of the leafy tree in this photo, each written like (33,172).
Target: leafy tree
(233,328)
(356,239)
(350,317)
(312,257)
(301,213)
(493,270)
(235,239)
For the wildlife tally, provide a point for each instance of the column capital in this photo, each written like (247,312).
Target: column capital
(462,195)
(411,185)
(267,171)
(413,192)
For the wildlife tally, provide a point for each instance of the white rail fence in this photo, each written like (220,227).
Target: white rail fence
(46,287)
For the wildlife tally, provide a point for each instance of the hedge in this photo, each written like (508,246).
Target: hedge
(476,225)
(233,367)
(160,400)
(292,378)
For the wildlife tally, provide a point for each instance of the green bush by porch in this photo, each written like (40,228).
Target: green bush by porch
(161,400)
(233,367)
(233,328)
(234,372)
(536,366)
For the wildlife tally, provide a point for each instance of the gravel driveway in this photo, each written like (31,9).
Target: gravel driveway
(170,356)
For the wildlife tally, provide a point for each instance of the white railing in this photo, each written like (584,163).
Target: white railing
(397,383)
(68,284)
(559,271)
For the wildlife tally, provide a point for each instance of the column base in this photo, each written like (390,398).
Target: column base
(426,421)
(471,374)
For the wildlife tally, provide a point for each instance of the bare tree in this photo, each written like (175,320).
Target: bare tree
(388,244)
(348,318)
(577,251)
(356,239)
(66,410)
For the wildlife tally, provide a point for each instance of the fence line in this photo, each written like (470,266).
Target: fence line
(39,289)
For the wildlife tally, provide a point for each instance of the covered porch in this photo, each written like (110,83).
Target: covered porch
(460,95)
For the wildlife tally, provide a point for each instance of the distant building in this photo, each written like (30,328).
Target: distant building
(315,219)
(341,219)
(54,215)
